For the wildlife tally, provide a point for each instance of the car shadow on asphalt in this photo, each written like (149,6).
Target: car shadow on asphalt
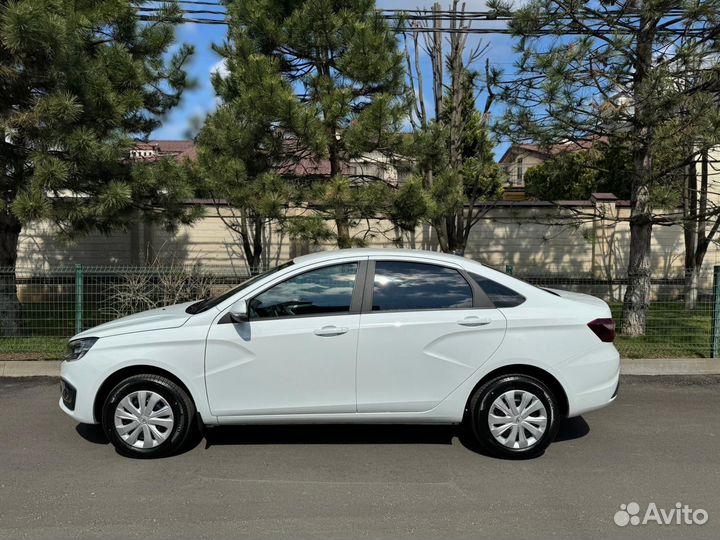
(92,433)
(572,428)
(329,434)
(569,429)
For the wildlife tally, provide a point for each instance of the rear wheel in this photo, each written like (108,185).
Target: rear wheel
(147,416)
(513,416)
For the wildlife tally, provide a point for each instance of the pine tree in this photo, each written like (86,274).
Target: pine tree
(591,70)
(342,62)
(76,81)
(241,150)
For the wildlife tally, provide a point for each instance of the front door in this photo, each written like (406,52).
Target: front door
(421,337)
(297,353)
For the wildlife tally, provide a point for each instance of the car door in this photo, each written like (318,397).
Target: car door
(297,353)
(424,329)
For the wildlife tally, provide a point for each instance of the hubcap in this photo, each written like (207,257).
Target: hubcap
(144,419)
(517,419)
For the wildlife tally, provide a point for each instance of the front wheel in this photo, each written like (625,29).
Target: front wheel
(147,416)
(513,416)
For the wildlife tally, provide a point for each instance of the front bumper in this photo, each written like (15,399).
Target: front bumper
(84,380)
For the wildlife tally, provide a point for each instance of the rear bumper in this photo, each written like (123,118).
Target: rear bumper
(593,380)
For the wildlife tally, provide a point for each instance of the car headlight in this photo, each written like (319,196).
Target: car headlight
(79,347)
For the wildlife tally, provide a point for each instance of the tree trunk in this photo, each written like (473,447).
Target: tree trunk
(690,235)
(690,290)
(437,60)
(702,238)
(251,228)
(455,223)
(637,295)
(342,222)
(343,231)
(10,308)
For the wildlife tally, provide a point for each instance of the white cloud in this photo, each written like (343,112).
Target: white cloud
(189,28)
(220,67)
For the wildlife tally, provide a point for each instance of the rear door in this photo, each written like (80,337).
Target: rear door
(424,329)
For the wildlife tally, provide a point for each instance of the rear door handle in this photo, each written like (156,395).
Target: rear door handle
(329,331)
(474,321)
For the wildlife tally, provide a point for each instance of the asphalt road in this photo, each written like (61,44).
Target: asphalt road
(660,442)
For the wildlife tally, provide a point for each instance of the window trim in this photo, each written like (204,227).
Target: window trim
(479,298)
(524,298)
(355,302)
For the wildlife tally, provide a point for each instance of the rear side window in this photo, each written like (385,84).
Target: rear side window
(412,286)
(500,295)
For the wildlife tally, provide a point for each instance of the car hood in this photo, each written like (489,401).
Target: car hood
(154,319)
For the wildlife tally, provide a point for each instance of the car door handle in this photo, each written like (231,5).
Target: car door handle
(474,321)
(329,331)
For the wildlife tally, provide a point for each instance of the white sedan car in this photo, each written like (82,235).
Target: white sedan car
(363,336)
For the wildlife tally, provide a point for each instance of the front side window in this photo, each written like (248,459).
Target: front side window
(412,286)
(204,305)
(324,291)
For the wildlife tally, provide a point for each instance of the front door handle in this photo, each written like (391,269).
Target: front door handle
(329,331)
(474,321)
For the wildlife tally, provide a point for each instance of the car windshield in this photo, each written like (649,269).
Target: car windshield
(207,303)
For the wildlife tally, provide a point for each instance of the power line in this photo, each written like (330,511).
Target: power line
(442,29)
(184,11)
(415,19)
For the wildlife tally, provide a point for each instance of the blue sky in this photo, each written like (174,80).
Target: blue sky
(201,100)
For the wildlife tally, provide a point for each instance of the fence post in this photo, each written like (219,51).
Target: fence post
(715,344)
(78,298)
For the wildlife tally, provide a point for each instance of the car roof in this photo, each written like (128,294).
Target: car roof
(387,252)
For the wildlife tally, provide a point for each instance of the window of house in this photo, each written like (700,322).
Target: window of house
(519,170)
(412,286)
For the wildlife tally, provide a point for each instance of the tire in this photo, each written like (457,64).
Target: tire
(142,432)
(524,435)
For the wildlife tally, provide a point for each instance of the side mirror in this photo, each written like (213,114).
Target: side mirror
(239,312)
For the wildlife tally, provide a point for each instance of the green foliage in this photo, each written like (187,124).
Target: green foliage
(576,175)
(451,193)
(311,228)
(330,76)
(568,176)
(77,81)
(411,204)
(588,71)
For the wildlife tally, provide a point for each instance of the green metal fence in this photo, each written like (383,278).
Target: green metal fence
(679,325)
(56,303)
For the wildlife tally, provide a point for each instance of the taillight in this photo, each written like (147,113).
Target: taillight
(604,329)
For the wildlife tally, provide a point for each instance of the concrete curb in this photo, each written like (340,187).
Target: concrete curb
(670,366)
(30,368)
(628,366)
